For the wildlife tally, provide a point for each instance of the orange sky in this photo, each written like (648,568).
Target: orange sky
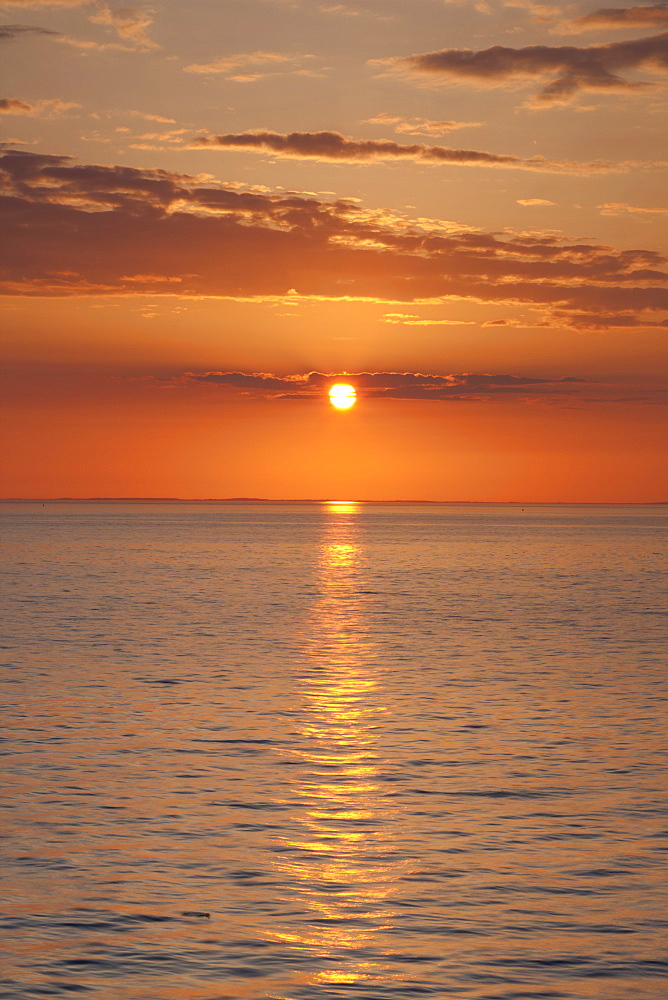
(461,206)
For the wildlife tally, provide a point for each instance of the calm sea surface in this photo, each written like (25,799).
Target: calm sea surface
(334,751)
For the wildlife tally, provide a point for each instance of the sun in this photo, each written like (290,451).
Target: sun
(342,396)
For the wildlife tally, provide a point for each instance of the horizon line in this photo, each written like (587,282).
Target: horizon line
(332,500)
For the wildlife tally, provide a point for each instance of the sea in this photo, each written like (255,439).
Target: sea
(303,751)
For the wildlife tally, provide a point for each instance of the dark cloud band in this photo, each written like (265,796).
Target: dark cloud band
(11,32)
(73,229)
(388,385)
(572,68)
(336,148)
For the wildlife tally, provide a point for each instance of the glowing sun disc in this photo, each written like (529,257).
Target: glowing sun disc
(342,396)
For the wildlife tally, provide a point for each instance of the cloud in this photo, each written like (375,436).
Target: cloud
(605,321)
(149,139)
(153,118)
(130,23)
(645,16)
(73,229)
(529,202)
(339,8)
(571,69)
(381,385)
(539,13)
(408,319)
(418,126)
(53,108)
(621,208)
(15,106)
(249,67)
(344,10)
(336,148)
(11,32)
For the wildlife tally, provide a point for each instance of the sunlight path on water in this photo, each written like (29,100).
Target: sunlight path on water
(341,868)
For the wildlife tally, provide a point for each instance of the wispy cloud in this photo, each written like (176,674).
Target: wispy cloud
(418,126)
(531,202)
(345,10)
(336,148)
(248,67)
(621,208)
(130,24)
(570,69)
(539,13)
(154,118)
(605,321)
(53,108)
(342,9)
(159,140)
(641,16)
(410,319)
(12,32)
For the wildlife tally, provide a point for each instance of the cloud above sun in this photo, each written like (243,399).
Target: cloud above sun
(565,70)
(51,108)
(13,32)
(129,24)
(642,16)
(98,226)
(418,126)
(336,148)
(249,67)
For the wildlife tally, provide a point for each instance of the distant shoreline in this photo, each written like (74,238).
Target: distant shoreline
(261,500)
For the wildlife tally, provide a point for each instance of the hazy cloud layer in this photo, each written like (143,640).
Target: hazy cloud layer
(87,229)
(384,385)
(336,148)
(569,69)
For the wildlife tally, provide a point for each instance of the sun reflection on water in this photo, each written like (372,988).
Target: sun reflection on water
(339,867)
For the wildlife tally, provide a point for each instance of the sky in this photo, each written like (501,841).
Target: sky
(214,210)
